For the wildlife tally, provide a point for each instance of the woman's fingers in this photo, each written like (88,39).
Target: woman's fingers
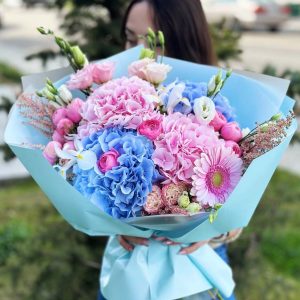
(136,240)
(192,248)
(125,244)
(165,241)
(128,242)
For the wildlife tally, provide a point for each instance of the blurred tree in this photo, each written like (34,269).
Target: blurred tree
(8,75)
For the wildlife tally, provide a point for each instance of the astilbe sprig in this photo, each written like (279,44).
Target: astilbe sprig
(37,113)
(264,137)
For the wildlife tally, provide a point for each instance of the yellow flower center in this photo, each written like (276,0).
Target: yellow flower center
(79,156)
(217,179)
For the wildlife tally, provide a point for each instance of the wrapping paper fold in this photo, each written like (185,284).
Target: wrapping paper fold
(162,273)
(157,272)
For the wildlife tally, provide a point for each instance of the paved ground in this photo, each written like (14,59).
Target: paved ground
(19,38)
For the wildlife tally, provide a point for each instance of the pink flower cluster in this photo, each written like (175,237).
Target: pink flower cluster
(165,200)
(182,142)
(93,73)
(230,132)
(65,118)
(120,102)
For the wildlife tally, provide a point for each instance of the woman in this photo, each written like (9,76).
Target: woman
(187,37)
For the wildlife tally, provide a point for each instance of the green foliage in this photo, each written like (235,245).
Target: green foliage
(9,74)
(226,42)
(266,257)
(5,105)
(43,258)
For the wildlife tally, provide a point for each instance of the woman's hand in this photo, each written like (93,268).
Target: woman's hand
(128,243)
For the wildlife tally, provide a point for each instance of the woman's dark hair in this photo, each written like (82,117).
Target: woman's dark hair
(184,25)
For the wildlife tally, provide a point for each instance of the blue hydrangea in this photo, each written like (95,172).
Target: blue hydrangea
(195,90)
(122,191)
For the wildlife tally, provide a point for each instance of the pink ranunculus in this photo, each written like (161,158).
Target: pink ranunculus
(235,147)
(103,72)
(108,160)
(135,68)
(69,146)
(58,115)
(150,129)
(74,110)
(218,122)
(231,132)
(156,73)
(57,137)
(49,152)
(64,126)
(82,79)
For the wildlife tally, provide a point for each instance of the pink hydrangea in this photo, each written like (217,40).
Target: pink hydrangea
(181,143)
(118,102)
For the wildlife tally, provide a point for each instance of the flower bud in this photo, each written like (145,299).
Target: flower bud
(65,94)
(161,38)
(78,56)
(151,33)
(184,200)
(147,53)
(193,208)
(51,89)
(264,127)
(47,94)
(276,117)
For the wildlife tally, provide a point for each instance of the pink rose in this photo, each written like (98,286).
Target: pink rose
(49,152)
(218,122)
(82,79)
(74,110)
(156,73)
(150,129)
(103,72)
(64,126)
(108,160)
(135,69)
(231,132)
(57,137)
(235,147)
(58,115)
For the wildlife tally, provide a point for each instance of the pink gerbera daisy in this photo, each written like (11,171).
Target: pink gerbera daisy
(216,174)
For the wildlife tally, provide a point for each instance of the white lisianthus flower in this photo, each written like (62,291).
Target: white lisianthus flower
(156,73)
(65,94)
(204,109)
(245,131)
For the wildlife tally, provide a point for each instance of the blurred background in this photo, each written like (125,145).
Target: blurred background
(41,256)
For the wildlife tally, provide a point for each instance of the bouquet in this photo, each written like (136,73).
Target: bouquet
(145,145)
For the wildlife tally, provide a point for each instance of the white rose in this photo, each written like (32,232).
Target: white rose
(135,68)
(204,109)
(156,73)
